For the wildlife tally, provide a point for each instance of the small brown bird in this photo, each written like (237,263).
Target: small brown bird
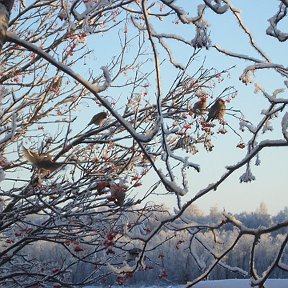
(118,193)
(43,161)
(217,111)
(199,107)
(56,84)
(98,119)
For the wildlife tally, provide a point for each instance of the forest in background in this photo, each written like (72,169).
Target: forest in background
(170,258)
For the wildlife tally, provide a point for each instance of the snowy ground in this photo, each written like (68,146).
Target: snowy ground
(231,283)
(237,283)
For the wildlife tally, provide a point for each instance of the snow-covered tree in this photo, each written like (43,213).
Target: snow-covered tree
(105,105)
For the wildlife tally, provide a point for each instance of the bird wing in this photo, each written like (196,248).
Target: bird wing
(48,165)
(30,156)
(211,114)
(98,118)
(41,161)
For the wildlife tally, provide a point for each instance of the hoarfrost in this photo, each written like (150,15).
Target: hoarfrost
(247,176)
(202,37)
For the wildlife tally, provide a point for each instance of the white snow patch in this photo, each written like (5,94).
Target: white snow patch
(228,283)
(240,283)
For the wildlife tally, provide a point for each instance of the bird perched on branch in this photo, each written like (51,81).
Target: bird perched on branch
(98,119)
(41,161)
(118,193)
(56,84)
(199,108)
(217,111)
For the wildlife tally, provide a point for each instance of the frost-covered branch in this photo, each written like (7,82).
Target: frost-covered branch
(236,13)
(202,38)
(256,150)
(285,126)
(93,89)
(217,7)
(13,128)
(273,30)
(182,14)
(246,76)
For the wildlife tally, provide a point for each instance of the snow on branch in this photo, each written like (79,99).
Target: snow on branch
(160,37)
(233,268)
(236,13)
(202,37)
(169,52)
(217,7)
(246,76)
(142,27)
(260,281)
(273,98)
(91,6)
(247,176)
(185,161)
(255,150)
(230,218)
(172,186)
(236,55)
(124,269)
(10,135)
(249,126)
(180,12)
(107,82)
(284,124)
(91,87)
(150,134)
(272,30)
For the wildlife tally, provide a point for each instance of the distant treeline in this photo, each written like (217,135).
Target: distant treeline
(172,257)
